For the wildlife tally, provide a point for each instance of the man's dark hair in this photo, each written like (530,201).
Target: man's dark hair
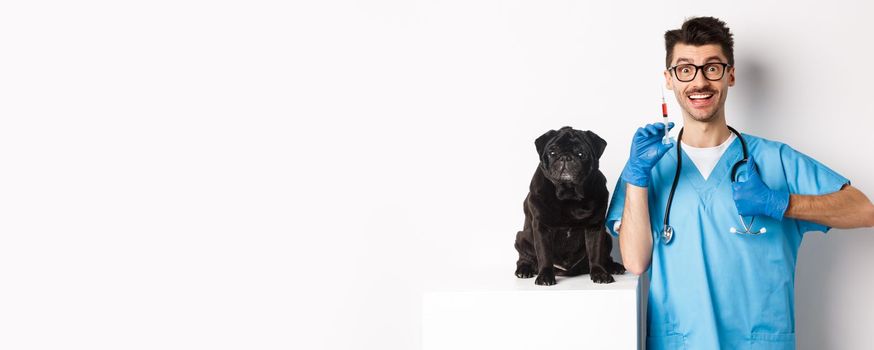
(698,31)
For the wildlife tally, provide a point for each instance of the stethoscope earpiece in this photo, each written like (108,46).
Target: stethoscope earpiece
(748,228)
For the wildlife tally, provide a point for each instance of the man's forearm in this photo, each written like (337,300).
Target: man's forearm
(635,236)
(847,208)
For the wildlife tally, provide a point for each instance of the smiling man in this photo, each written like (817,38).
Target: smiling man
(720,280)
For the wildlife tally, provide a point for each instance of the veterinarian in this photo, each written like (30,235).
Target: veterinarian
(717,280)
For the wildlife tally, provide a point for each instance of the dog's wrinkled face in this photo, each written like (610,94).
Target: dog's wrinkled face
(568,155)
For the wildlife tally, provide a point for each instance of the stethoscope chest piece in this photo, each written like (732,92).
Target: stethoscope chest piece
(667,234)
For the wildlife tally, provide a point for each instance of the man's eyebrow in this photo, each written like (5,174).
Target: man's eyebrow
(688,60)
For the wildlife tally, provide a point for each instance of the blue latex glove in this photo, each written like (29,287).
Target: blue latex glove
(753,198)
(646,150)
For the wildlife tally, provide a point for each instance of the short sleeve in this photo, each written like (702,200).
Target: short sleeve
(617,204)
(806,176)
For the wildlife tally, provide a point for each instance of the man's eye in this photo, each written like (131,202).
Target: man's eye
(712,68)
(685,70)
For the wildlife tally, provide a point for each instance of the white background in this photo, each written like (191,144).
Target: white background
(290,175)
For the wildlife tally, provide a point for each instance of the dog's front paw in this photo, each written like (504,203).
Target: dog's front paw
(601,276)
(525,271)
(615,268)
(545,279)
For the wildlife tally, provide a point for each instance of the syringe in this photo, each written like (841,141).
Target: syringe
(665,140)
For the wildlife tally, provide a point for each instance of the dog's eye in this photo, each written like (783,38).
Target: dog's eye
(551,153)
(580,154)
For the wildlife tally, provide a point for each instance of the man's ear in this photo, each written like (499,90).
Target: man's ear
(541,141)
(731,76)
(598,144)
(669,83)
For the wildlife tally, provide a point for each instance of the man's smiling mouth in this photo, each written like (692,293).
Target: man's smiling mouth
(701,99)
(702,96)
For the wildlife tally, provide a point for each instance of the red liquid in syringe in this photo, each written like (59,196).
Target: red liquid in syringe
(666,139)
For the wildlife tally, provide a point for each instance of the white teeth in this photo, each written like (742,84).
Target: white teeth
(699,96)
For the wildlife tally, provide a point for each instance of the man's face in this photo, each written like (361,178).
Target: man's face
(701,99)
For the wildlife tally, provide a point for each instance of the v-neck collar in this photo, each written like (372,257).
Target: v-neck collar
(720,173)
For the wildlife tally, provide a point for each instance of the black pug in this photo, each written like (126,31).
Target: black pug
(565,212)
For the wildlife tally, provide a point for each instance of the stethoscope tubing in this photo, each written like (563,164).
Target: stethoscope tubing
(667,230)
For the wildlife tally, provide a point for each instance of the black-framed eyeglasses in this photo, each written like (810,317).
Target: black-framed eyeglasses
(687,72)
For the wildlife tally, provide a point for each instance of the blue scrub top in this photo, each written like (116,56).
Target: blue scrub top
(710,288)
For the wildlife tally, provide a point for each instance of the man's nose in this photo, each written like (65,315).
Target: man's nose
(699,80)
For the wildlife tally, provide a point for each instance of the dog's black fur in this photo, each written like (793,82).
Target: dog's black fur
(565,211)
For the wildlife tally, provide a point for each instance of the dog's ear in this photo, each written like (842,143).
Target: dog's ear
(598,144)
(541,141)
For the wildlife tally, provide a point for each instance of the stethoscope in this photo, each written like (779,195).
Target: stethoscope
(668,231)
